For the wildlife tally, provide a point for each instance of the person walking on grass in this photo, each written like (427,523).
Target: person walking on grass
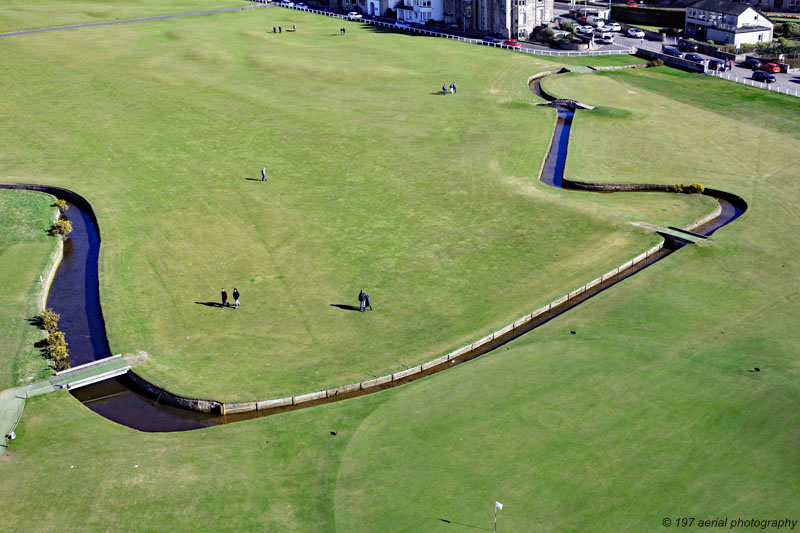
(453,87)
(362,299)
(273,30)
(235,298)
(367,302)
(294,28)
(280,29)
(224,298)
(264,174)
(444,90)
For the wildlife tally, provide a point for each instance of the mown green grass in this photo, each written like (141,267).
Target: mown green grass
(33,14)
(646,412)
(429,203)
(25,253)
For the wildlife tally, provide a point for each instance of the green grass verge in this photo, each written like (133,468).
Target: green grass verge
(26,251)
(429,203)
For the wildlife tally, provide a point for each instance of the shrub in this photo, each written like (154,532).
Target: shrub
(62,227)
(694,188)
(549,33)
(568,26)
(655,63)
(61,204)
(56,350)
(49,319)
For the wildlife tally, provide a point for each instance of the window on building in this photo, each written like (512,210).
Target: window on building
(524,18)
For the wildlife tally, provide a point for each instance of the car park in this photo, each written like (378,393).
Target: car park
(717,64)
(612,26)
(635,33)
(750,63)
(354,16)
(513,43)
(688,46)
(672,51)
(697,58)
(766,77)
(770,67)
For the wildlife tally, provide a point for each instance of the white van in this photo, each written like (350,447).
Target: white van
(595,21)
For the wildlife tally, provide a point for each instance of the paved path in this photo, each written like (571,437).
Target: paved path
(126,21)
(11,403)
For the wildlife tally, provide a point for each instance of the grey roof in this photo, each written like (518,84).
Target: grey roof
(721,6)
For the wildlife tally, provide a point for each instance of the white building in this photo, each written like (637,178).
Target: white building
(420,11)
(727,23)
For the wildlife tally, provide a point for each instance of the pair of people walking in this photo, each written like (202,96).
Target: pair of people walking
(342,30)
(280,30)
(363,301)
(235,298)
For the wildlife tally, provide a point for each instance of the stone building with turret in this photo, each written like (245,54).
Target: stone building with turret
(509,19)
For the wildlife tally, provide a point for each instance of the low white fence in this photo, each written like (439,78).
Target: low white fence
(793,91)
(423,31)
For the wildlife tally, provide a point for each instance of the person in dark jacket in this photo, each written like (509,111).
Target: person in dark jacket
(224,297)
(362,298)
(367,302)
(235,298)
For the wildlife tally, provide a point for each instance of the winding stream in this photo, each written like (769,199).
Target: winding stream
(119,399)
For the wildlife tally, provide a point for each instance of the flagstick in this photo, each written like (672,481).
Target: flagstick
(495,518)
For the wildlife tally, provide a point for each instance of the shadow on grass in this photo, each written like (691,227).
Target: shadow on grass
(446,521)
(254,179)
(211,304)
(346,307)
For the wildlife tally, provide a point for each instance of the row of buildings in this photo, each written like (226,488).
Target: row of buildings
(503,18)
(721,21)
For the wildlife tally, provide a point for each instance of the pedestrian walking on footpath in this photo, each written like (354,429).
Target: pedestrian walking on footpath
(235,298)
(264,174)
(224,298)
(367,302)
(362,299)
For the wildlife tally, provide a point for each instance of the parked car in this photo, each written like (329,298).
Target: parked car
(596,22)
(586,30)
(606,37)
(581,19)
(688,46)
(697,58)
(750,63)
(635,33)
(632,3)
(760,75)
(403,25)
(717,64)
(613,26)
(672,51)
(301,5)
(770,67)
(513,43)
(488,39)
(286,3)
(354,16)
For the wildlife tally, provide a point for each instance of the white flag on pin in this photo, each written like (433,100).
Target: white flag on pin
(498,505)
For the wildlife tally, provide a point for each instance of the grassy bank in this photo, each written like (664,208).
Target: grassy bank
(26,251)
